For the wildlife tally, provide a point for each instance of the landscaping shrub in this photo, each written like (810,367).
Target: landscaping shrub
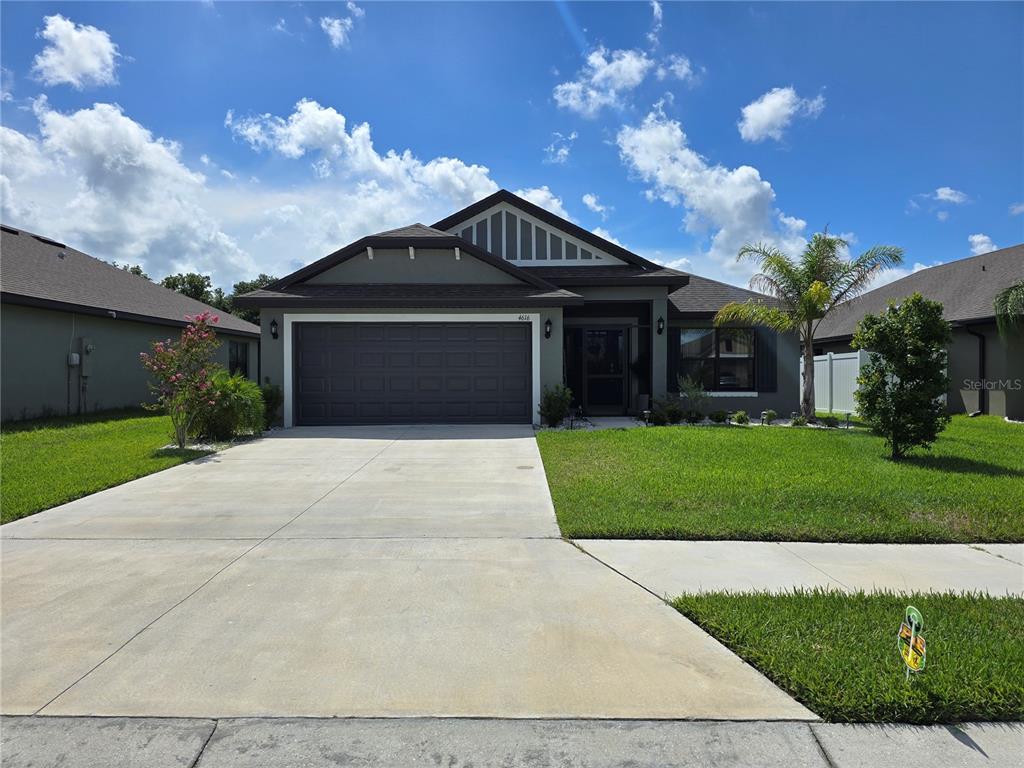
(554,404)
(658,417)
(829,421)
(798,421)
(273,399)
(694,417)
(770,416)
(182,374)
(741,417)
(673,411)
(692,392)
(901,387)
(238,410)
(719,417)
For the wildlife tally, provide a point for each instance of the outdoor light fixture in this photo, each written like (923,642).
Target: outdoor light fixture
(273,329)
(661,325)
(547,328)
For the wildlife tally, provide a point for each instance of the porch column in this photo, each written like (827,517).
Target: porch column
(659,347)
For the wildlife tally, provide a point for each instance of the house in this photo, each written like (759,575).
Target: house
(986,370)
(470,319)
(72,328)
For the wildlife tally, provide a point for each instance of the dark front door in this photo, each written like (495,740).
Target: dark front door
(596,361)
(406,373)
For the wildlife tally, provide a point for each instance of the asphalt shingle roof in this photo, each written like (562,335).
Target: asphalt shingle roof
(704,296)
(35,267)
(966,287)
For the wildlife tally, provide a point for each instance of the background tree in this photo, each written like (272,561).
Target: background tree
(806,290)
(1009,309)
(245,286)
(133,269)
(902,384)
(191,284)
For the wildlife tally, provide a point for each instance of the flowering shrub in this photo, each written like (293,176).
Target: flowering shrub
(182,373)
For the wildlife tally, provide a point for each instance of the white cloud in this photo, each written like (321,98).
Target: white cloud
(604,80)
(677,66)
(981,244)
(942,215)
(546,199)
(102,182)
(337,30)
(594,204)
(98,179)
(769,115)
(950,195)
(657,18)
(732,206)
(1016,209)
(557,152)
(6,84)
(281,26)
(602,232)
(77,54)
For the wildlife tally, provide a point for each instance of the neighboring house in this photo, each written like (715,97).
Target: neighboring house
(72,328)
(470,319)
(986,370)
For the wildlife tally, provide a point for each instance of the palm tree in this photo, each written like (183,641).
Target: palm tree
(1009,308)
(806,289)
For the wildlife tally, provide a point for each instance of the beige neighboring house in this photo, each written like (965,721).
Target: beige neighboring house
(986,370)
(72,328)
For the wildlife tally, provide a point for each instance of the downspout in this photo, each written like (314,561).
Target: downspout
(982,392)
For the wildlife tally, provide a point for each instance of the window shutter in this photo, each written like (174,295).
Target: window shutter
(672,359)
(766,355)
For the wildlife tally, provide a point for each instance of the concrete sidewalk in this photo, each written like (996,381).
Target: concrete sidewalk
(670,568)
(412,743)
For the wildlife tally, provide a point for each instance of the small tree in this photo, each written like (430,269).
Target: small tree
(182,373)
(806,289)
(902,384)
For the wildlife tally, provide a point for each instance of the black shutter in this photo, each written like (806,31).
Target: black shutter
(766,353)
(672,360)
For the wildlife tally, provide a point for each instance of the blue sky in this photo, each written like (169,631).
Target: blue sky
(234,138)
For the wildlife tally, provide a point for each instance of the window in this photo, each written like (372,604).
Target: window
(721,359)
(238,357)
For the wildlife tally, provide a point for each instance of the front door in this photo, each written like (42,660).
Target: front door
(596,362)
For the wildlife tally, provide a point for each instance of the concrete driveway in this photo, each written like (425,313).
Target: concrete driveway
(395,571)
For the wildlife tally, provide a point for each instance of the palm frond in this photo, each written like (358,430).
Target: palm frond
(1009,309)
(755,313)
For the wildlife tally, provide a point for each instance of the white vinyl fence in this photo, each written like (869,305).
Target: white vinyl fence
(835,380)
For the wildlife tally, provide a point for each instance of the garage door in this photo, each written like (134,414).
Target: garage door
(408,373)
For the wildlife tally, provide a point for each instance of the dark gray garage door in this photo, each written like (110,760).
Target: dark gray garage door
(407,373)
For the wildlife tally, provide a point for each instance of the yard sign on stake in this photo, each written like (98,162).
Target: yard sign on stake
(910,642)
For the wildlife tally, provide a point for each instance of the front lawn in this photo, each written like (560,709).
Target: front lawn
(787,484)
(836,653)
(49,462)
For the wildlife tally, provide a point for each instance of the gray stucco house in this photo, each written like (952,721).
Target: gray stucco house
(72,328)
(469,319)
(986,370)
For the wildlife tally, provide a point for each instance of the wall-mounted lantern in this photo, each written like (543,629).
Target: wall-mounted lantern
(661,325)
(273,329)
(547,328)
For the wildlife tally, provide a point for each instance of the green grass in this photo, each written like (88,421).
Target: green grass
(837,653)
(52,461)
(787,484)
